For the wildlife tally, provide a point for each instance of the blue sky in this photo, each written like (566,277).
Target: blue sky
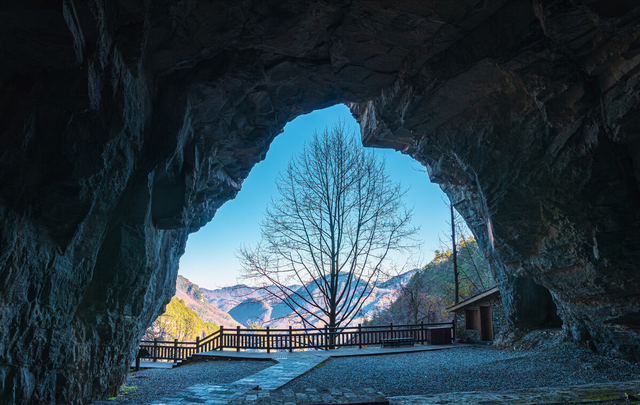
(210,257)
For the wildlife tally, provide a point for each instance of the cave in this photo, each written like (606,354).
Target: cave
(535,307)
(125,125)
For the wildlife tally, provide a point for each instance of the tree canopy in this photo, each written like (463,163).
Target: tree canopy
(330,230)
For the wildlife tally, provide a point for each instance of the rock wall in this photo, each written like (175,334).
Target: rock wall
(125,125)
(534,138)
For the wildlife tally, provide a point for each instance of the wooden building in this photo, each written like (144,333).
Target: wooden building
(479,318)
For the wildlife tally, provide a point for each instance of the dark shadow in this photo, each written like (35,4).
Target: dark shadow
(629,321)
(534,305)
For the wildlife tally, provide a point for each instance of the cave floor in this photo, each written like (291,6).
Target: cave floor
(568,376)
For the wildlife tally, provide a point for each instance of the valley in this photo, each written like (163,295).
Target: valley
(245,306)
(253,307)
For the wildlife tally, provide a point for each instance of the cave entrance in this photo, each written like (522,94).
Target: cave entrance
(535,307)
(210,258)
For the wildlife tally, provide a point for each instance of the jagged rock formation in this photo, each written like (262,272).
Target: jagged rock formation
(124,126)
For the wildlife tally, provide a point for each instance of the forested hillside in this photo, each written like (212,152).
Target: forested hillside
(430,291)
(195,299)
(179,322)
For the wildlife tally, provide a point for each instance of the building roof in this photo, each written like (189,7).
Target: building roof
(473,299)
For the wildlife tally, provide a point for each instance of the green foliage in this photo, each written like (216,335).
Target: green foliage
(428,294)
(202,307)
(124,390)
(179,322)
(475,274)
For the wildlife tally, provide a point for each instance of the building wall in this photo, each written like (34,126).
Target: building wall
(474,336)
(499,317)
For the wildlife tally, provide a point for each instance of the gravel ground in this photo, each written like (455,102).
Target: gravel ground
(477,368)
(153,384)
(467,369)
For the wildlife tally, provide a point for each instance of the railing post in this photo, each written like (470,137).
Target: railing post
(175,349)
(421,332)
(390,330)
(359,336)
(197,344)
(221,345)
(155,349)
(268,341)
(290,339)
(326,337)
(238,338)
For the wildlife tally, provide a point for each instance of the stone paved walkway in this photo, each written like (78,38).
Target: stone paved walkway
(249,388)
(312,396)
(259,388)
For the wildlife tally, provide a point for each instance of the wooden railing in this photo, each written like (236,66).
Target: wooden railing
(296,339)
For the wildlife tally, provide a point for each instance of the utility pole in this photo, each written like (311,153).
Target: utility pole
(455,254)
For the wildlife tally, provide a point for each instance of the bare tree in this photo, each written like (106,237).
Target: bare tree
(456,223)
(414,299)
(466,246)
(457,231)
(330,231)
(461,244)
(417,301)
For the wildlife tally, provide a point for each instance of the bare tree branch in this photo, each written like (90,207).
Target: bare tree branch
(330,231)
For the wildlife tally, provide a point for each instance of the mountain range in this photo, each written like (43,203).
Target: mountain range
(242,305)
(194,298)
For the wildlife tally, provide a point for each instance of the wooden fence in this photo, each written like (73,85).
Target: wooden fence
(297,339)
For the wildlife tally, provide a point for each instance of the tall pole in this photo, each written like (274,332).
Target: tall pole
(454,253)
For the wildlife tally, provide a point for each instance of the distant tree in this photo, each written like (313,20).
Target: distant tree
(337,218)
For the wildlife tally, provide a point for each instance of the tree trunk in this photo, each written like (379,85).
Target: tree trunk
(332,329)
(333,306)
